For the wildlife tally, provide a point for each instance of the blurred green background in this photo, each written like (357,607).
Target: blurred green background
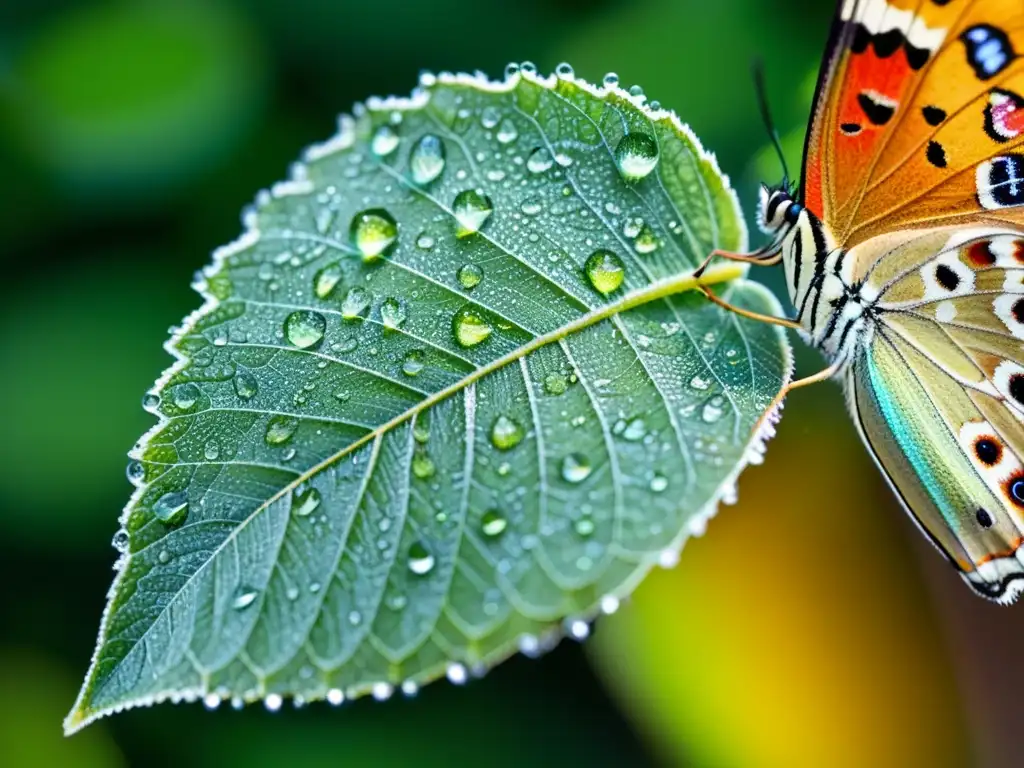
(812,626)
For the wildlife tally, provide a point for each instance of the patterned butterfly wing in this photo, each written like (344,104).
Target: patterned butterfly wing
(919,119)
(938,392)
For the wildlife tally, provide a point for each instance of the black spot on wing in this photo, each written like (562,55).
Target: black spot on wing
(936,154)
(877,109)
(933,115)
(946,277)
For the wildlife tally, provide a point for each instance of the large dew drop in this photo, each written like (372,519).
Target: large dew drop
(469,276)
(471,209)
(185,396)
(355,303)
(306,502)
(384,141)
(493,523)
(604,271)
(506,434)
(636,156)
(304,328)
(172,508)
(280,429)
(421,562)
(540,160)
(246,385)
(244,597)
(326,280)
(373,233)
(427,159)
(392,313)
(576,468)
(469,327)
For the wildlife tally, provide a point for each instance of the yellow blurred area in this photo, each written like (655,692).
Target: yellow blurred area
(795,633)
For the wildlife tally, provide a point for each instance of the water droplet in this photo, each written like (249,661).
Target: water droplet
(382,691)
(609,604)
(659,483)
(246,386)
(506,434)
(335,697)
(326,280)
(471,209)
(306,502)
(292,593)
(470,276)
(422,466)
(410,688)
(456,673)
(426,162)
(421,562)
(605,271)
(564,70)
(244,597)
(584,526)
(373,232)
(413,363)
(712,410)
(611,80)
(540,160)
(384,141)
(493,523)
(421,432)
(425,242)
(490,117)
(636,156)
(507,132)
(555,383)
(575,468)
(698,383)
(120,540)
(646,242)
(469,327)
(185,396)
(634,431)
(355,304)
(211,701)
(577,629)
(150,402)
(211,450)
(392,313)
(280,429)
(304,328)
(172,508)
(136,472)
(273,702)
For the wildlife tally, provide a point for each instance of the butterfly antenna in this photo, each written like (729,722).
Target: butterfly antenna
(766,116)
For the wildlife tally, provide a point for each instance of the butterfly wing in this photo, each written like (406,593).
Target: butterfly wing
(938,393)
(919,118)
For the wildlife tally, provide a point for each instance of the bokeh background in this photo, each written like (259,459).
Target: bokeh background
(811,626)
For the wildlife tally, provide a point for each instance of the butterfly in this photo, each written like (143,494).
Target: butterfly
(904,259)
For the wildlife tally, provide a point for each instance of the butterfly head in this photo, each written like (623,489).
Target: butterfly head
(777,211)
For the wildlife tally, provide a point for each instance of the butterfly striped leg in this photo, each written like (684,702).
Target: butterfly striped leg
(784,322)
(757,257)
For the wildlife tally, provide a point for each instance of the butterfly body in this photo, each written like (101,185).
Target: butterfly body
(904,261)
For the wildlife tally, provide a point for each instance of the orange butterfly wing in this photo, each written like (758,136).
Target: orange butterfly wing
(919,118)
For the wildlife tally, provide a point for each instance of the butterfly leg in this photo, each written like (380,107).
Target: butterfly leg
(823,375)
(749,258)
(784,322)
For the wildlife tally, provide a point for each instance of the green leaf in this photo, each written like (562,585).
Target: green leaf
(450,395)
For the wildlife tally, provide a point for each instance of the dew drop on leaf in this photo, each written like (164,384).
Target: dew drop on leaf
(412,363)
(392,313)
(584,526)
(304,328)
(172,508)
(355,303)
(555,383)
(646,241)
(384,141)
(469,327)
(373,233)
(506,434)
(185,396)
(659,483)
(150,402)
(422,466)
(245,384)
(427,159)
(636,155)
(469,276)
(244,597)
(493,523)
(306,502)
(471,210)
(136,472)
(280,429)
(634,431)
(576,468)
(540,160)
(421,562)
(712,410)
(605,271)
(211,450)
(120,540)
(326,280)
(507,132)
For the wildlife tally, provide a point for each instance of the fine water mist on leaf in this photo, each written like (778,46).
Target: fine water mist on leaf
(450,395)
